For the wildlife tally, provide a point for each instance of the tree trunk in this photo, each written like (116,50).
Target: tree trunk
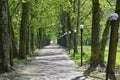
(40,38)
(104,42)
(32,41)
(78,24)
(13,44)
(13,49)
(23,32)
(64,38)
(28,40)
(114,42)
(37,40)
(4,37)
(95,47)
(75,33)
(63,22)
(70,29)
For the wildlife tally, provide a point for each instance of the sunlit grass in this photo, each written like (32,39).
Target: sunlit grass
(87,51)
(117,57)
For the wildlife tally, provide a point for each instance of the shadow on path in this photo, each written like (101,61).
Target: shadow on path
(51,64)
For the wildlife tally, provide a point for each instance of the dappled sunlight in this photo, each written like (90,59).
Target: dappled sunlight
(52,64)
(59,39)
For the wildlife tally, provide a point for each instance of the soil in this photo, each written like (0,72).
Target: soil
(99,73)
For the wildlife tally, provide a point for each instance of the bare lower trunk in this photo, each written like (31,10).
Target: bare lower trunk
(32,41)
(95,47)
(104,42)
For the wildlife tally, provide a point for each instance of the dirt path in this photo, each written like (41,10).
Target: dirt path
(51,64)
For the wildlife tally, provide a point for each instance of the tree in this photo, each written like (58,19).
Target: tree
(95,47)
(104,42)
(40,37)
(23,30)
(4,37)
(105,34)
(78,24)
(13,48)
(14,21)
(114,42)
(32,39)
(63,22)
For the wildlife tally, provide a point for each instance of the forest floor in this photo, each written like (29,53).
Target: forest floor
(51,63)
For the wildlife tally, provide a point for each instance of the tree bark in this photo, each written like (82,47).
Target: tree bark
(32,42)
(70,29)
(78,24)
(13,49)
(63,22)
(95,47)
(64,38)
(40,38)
(28,40)
(75,33)
(23,30)
(114,42)
(4,37)
(104,42)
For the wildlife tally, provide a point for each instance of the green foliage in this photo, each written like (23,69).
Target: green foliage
(46,13)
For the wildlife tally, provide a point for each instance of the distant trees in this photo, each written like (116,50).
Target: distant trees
(68,19)
(42,39)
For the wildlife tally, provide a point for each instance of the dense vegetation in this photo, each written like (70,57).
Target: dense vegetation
(29,24)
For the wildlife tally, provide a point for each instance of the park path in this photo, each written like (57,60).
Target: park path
(51,64)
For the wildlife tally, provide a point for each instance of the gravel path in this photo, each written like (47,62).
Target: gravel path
(51,64)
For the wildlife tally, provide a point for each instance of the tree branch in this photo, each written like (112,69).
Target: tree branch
(110,3)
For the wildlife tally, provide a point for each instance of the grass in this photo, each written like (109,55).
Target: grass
(17,61)
(117,56)
(87,54)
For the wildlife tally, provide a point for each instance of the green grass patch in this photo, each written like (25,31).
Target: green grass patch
(18,61)
(87,54)
(118,56)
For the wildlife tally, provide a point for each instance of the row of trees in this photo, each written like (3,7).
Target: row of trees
(24,23)
(98,47)
(98,41)
(17,32)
